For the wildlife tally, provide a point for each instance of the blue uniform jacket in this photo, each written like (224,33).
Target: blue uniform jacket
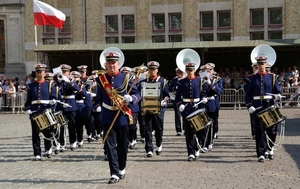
(260,85)
(214,89)
(163,87)
(88,98)
(38,97)
(80,97)
(189,89)
(103,100)
(68,91)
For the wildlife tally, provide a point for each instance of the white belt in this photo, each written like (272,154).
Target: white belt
(112,108)
(191,99)
(79,101)
(266,97)
(40,102)
(68,97)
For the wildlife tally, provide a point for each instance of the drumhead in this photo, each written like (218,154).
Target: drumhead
(196,112)
(267,109)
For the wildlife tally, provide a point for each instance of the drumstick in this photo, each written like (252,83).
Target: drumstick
(275,94)
(69,106)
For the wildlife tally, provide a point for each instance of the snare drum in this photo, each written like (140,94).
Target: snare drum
(45,119)
(270,116)
(199,119)
(61,120)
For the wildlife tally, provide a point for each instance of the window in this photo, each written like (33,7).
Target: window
(175,38)
(275,35)
(206,37)
(175,21)
(49,29)
(158,39)
(67,26)
(275,16)
(128,40)
(64,41)
(257,17)
(224,19)
(224,37)
(128,23)
(257,35)
(112,23)
(207,20)
(50,41)
(158,22)
(112,40)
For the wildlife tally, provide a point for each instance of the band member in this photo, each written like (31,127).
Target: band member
(135,110)
(115,91)
(257,99)
(172,89)
(85,84)
(213,89)
(154,122)
(68,90)
(81,111)
(188,94)
(49,77)
(254,69)
(39,98)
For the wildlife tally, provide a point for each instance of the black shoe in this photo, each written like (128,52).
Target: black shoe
(113,180)
(261,159)
(191,159)
(56,151)
(158,152)
(122,176)
(48,156)
(271,156)
(253,137)
(149,154)
(72,149)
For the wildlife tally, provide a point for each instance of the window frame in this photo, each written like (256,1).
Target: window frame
(107,38)
(68,32)
(45,39)
(169,19)
(48,33)
(128,31)
(251,35)
(106,24)
(269,33)
(269,17)
(124,37)
(201,21)
(218,19)
(59,41)
(210,34)
(153,23)
(153,38)
(218,36)
(251,18)
(174,36)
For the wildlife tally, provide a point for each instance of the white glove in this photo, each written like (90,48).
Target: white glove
(278,96)
(28,112)
(251,110)
(93,94)
(52,102)
(163,103)
(208,81)
(127,98)
(66,105)
(98,109)
(204,100)
(181,108)
(64,78)
(212,98)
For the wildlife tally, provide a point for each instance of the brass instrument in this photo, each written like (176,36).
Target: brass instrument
(263,50)
(102,59)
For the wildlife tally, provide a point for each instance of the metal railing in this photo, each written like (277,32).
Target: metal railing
(229,98)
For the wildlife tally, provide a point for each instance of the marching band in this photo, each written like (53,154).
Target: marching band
(112,103)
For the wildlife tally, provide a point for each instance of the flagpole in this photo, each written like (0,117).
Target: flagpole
(35,39)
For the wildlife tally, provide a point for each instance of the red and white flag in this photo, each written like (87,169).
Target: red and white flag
(45,14)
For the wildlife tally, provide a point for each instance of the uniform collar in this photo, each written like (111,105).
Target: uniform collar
(262,73)
(42,81)
(153,78)
(191,78)
(113,74)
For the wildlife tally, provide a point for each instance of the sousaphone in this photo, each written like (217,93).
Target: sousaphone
(263,50)
(111,49)
(186,56)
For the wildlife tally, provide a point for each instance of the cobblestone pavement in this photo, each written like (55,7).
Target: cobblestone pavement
(232,163)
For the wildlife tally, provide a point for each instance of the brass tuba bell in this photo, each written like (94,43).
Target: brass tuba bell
(263,50)
(185,56)
(102,59)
